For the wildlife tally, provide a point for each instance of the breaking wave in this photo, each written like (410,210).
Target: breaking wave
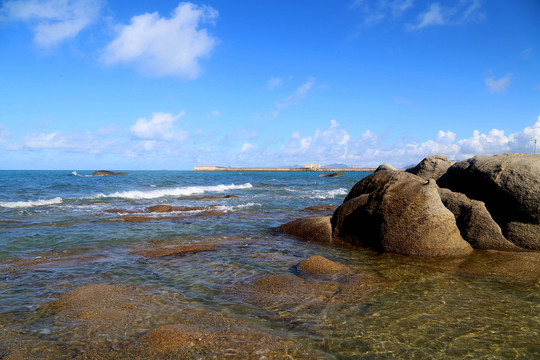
(185,191)
(318,194)
(31,203)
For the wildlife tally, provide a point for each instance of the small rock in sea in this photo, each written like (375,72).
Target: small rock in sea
(160,208)
(336,174)
(321,208)
(106,172)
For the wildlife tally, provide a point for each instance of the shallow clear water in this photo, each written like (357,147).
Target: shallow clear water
(81,280)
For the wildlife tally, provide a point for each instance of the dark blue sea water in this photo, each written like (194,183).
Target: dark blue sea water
(76,251)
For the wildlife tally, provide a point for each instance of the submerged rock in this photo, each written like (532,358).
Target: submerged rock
(320,208)
(318,265)
(175,250)
(514,266)
(160,208)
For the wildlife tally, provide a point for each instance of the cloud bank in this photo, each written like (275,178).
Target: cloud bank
(158,140)
(336,144)
(165,46)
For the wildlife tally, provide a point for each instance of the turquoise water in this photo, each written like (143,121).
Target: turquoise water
(73,259)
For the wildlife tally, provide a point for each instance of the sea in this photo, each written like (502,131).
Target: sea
(88,271)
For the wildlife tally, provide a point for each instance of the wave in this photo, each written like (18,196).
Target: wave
(319,194)
(31,203)
(74,173)
(155,194)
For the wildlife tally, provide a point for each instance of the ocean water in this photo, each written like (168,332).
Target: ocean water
(86,271)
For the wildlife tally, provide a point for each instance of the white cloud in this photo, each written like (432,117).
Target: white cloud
(4,134)
(298,95)
(336,144)
(376,11)
(433,16)
(472,9)
(460,12)
(296,98)
(324,145)
(53,21)
(247,147)
(274,82)
(165,46)
(500,85)
(45,141)
(525,54)
(97,142)
(159,127)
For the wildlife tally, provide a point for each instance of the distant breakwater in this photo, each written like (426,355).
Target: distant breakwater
(291,169)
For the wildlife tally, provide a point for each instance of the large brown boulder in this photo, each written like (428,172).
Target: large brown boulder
(404,215)
(346,219)
(431,167)
(474,222)
(313,228)
(509,185)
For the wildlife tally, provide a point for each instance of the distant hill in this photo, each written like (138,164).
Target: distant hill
(342,166)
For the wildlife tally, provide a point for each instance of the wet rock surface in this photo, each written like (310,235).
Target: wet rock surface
(314,228)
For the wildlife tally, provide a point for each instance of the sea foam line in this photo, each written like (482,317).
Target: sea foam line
(31,203)
(186,191)
(321,194)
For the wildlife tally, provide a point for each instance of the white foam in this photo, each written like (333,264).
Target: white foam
(31,203)
(185,191)
(248,205)
(74,173)
(328,194)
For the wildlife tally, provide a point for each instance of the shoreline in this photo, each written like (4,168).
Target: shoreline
(281,169)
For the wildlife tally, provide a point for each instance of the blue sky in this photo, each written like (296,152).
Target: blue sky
(88,84)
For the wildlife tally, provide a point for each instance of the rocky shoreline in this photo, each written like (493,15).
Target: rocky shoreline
(438,208)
